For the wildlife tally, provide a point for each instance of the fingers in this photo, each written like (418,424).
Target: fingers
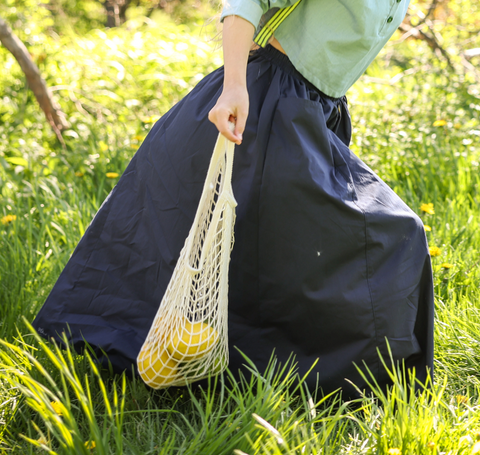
(240,123)
(221,118)
(232,106)
(223,121)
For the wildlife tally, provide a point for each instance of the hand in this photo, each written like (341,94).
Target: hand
(232,105)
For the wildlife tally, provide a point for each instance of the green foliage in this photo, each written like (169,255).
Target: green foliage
(79,15)
(27,18)
(112,86)
(416,122)
(30,18)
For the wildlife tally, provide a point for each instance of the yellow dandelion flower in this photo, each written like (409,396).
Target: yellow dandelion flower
(102,146)
(394,451)
(151,119)
(435,251)
(112,175)
(57,407)
(440,122)
(457,126)
(475,448)
(446,265)
(79,174)
(461,399)
(8,219)
(428,208)
(427,227)
(90,445)
(431,445)
(138,137)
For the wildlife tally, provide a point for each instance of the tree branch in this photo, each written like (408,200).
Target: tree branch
(429,39)
(52,111)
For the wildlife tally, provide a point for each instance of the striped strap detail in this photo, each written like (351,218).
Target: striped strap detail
(269,28)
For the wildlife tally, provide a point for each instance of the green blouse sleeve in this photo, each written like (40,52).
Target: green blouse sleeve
(252,10)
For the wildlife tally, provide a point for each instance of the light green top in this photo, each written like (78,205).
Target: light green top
(330,42)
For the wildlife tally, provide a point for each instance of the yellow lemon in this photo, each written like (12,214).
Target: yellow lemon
(194,340)
(156,369)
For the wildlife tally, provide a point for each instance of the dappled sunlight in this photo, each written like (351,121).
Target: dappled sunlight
(416,123)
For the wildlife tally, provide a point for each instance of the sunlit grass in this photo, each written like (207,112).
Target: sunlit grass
(420,135)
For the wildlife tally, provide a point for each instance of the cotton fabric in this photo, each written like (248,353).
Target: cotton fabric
(328,262)
(331,43)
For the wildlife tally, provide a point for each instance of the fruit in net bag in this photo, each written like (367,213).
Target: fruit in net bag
(156,366)
(191,340)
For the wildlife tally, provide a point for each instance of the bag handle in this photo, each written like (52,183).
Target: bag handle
(223,150)
(269,28)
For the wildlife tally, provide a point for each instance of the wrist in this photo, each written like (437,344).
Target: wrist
(235,82)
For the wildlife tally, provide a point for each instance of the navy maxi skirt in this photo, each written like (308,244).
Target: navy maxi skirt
(328,262)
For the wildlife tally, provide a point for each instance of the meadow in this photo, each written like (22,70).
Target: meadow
(416,122)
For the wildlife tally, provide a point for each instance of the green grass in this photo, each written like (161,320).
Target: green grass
(420,135)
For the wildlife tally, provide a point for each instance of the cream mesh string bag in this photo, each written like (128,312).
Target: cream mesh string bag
(188,339)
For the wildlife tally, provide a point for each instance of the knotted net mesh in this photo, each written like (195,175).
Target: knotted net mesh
(188,339)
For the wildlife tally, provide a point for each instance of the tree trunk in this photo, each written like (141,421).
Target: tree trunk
(116,12)
(54,115)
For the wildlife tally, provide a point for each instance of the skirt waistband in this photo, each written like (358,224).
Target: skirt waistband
(282,61)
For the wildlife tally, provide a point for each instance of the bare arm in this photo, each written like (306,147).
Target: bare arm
(233,102)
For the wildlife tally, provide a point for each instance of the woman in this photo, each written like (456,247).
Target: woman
(328,262)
